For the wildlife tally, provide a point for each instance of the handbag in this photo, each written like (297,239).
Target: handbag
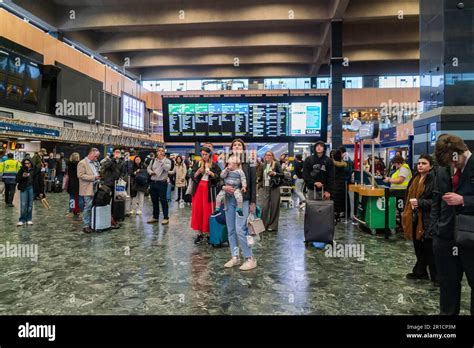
(189,190)
(120,189)
(464,232)
(275,181)
(255,225)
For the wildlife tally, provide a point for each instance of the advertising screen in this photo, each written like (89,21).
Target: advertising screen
(133,113)
(278,119)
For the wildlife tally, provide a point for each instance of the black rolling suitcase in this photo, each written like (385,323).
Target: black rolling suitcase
(118,209)
(319,221)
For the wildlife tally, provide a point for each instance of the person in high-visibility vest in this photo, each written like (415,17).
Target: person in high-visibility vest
(402,176)
(9,169)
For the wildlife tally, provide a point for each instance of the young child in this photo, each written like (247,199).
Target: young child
(235,177)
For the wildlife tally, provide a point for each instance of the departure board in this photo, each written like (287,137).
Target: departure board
(256,119)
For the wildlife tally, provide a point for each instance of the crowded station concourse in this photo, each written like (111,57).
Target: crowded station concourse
(219,166)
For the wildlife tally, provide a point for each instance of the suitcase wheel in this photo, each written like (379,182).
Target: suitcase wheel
(373,231)
(307,244)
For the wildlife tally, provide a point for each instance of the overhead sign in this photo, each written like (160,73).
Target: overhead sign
(18,128)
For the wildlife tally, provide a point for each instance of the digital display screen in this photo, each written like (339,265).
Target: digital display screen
(133,113)
(253,118)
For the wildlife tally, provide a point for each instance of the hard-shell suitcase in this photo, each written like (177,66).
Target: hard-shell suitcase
(319,221)
(101,217)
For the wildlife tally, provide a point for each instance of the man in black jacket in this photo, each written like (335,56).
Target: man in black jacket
(318,173)
(453,194)
(112,170)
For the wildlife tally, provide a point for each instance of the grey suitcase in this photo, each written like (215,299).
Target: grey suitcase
(319,221)
(101,218)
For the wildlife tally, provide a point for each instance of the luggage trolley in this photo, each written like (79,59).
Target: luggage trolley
(286,196)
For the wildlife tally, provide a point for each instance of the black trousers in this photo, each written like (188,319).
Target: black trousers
(424,258)
(158,195)
(452,262)
(9,193)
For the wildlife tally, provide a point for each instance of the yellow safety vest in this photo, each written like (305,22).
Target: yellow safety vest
(404,184)
(9,169)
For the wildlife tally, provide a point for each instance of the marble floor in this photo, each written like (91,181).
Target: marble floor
(155,269)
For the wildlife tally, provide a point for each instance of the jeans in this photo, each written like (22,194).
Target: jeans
(299,190)
(87,215)
(237,227)
(158,190)
(26,204)
(60,177)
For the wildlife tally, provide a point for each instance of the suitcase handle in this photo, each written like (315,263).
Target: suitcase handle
(322,196)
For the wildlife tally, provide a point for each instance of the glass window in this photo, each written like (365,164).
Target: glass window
(149,85)
(387,82)
(404,81)
(178,85)
(303,83)
(212,85)
(323,82)
(416,81)
(353,82)
(162,86)
(193,85)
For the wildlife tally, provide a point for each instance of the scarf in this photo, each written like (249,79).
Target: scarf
(415,190)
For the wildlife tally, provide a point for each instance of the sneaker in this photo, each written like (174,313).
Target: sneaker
(132,212)
(240,212)
(249,264)
(152,221)
(235,261)
(29,223)
(165,222)
(199,239)
(215,212)
(302,205)
(20,223)
(139,212)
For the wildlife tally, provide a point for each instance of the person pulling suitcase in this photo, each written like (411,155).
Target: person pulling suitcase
(319,177)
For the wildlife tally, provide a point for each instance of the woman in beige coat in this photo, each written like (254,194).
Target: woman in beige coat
(180,170)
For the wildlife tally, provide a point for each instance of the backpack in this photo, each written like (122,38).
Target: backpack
(348,169)
(142,178)
(102,197)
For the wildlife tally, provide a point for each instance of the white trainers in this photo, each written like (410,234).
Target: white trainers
(249,264)
(139,212)
(132,212)
(232,262)
(19,223)
(29,223)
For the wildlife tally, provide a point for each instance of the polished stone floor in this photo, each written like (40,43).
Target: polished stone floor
(155,269)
